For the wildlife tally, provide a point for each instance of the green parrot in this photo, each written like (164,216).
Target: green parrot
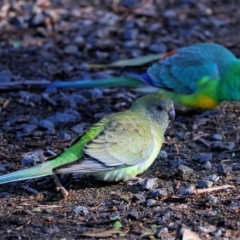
(200,76)
(118,147)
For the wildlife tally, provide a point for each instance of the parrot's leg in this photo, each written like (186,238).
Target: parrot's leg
(59,186)
(55,178)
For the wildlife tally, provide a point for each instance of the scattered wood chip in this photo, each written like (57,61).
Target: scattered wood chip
(189,235)
(101,233)
(212,189)
(6,103)
(206,144)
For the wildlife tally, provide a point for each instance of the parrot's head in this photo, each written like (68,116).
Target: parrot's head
(157,106)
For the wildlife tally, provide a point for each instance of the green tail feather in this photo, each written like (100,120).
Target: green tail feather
(70,155)
(33,172)
(108,82)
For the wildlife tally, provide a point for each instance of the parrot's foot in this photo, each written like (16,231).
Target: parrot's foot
(56,180)
(59,186)
(135,181)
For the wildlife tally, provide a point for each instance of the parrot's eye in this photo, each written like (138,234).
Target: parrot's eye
(159,108)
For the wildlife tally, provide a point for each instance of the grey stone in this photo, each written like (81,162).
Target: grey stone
(149,183)
(159,192)
(184,171)
(223,169)
(204,184)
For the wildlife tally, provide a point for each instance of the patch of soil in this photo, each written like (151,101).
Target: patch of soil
(54,40)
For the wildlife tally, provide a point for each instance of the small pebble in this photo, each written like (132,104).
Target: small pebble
(6,76)
(187,190)
(210,213)
(81,228)
(160,232)
(206,228)
(37,133)
(157,48)
(96,94)
(220,146)
(2,169)
(26,129)
(149,183)
(207,165)
(238,180)
(139,198)
(212,199)
(162,155)
(150,202)
(236,167)
(217,233)
(159,192)
(133,215)
(115,216)
(203,157)
(36,224)
(46,124)
(173,226)
(223,169)
(33,120)
(52,230)
(80,210)
(213,177)
(184,171)
(31,158)
(217,137)
(79,128)
(71,49)
(162,220)
(62,118)
(63,135)
(204,184)
(234,206)
(4,194)
(79,41)
(175,163)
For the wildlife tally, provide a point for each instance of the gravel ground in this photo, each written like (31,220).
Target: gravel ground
(192,191)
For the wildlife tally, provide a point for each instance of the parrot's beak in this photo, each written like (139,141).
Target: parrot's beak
(171,114)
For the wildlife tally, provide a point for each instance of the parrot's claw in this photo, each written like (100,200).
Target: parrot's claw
(63,191)
(59,186)
(135,181)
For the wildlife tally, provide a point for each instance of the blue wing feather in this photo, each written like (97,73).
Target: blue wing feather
(182,71)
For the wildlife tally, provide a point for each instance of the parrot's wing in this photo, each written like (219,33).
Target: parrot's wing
(182,71)
(122,142)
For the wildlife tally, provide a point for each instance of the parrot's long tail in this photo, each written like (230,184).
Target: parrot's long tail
(123,81)
(33,172)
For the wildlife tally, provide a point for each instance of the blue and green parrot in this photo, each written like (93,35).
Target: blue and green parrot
(200,76)
(118,147)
